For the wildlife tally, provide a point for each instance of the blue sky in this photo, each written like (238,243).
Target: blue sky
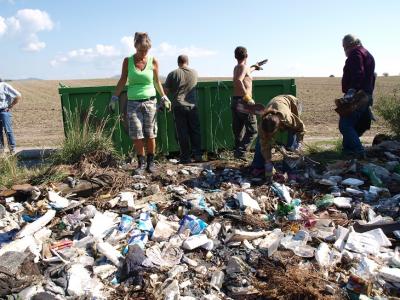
(87,39)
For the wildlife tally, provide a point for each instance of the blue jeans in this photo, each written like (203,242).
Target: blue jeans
(259,161)
(347,126)
(6,125)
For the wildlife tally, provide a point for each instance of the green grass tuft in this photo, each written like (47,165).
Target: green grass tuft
(83,136)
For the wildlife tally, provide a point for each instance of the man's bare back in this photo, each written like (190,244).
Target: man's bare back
(242,80)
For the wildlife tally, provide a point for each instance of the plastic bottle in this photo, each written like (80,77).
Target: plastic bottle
(375,180)
(325,201)
(284,209)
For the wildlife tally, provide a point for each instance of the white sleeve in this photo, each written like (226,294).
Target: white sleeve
(11,91)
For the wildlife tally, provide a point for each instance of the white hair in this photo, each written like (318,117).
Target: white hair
(351,40)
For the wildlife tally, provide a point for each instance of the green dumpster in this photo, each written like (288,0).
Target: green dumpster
(214,110)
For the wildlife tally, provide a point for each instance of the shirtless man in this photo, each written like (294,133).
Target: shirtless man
(244,125)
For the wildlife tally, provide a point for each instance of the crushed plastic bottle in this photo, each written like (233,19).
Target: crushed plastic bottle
(375,180)
(325,201)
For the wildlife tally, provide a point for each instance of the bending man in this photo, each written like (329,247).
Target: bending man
(282,113)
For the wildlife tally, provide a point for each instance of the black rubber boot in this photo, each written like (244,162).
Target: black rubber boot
(150,163)
(141,166)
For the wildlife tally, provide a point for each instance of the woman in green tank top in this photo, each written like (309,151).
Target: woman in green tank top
(141,72)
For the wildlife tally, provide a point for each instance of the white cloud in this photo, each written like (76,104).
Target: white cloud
(87,54)
(25,26)
(3,25)
(34,46)
(108,58)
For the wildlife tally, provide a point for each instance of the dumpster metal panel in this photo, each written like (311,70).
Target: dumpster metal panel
(213,105)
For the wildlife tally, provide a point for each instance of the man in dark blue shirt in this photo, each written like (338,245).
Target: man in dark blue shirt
(358,74)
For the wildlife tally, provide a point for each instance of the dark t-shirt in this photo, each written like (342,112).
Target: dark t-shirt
(182,84)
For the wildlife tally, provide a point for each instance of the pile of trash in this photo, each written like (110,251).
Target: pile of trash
(209,231)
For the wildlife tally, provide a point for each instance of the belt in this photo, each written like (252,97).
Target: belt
(3,109)
(143,100)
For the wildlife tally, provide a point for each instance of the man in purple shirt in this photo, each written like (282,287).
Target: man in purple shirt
(358,74)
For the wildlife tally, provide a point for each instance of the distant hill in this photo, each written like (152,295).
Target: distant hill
(27,79)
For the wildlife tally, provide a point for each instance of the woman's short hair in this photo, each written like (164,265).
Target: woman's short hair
(351,40)
(142,40)
(270,123)
(240,53)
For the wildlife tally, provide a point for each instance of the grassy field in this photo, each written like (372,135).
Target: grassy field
(38,121)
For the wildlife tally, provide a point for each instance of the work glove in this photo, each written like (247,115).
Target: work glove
(348,97)
(247,98)
(257,66)
(165,103)
(113,103)
(269,171)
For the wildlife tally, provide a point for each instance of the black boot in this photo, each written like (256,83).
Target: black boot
(141,166)
(150,163)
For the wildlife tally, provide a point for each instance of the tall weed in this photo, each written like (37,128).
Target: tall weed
(388,107)
(83,136)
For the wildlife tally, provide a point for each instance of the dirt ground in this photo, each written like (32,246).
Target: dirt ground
(38,120)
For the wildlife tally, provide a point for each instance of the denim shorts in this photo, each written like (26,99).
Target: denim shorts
(142,116)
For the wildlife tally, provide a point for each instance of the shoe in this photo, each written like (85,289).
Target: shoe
(183,160)
(256,172)
(198,158)
(151,168)
(141,165)
(361,155)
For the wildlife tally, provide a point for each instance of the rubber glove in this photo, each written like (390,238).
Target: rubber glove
(165,102)
(349,95)
(113,103)
(247,98)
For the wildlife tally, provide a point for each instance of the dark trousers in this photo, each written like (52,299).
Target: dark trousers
(188,134)
(244,128)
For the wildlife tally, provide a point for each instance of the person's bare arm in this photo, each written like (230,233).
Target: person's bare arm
(238,76)
(156,80)
(122,80)
(15,101)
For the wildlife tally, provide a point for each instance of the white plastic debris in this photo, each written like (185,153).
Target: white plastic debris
(271,242)
(19,245)
(342,202)
(341,235)
(78,280)
(199,240)
(128,197)
(390,274)
(164,229)
(322,255)
(369,242)
(169,256)
(246,201)
(353,182)
(283,192)
(37,225)
(56,201)
(101,225)
(104,271)
(367,268)
(110,252)
(213,230)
